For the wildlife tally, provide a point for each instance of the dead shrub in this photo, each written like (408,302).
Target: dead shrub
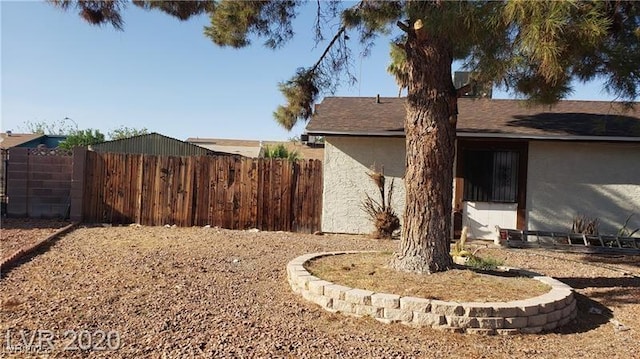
(585,225)
(384,218)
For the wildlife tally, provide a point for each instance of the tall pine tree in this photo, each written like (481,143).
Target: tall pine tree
(535,48)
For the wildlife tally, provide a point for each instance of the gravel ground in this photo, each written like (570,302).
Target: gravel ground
(204,292)
(19,232)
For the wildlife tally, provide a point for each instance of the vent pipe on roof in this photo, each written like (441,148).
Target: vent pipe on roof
(378,98)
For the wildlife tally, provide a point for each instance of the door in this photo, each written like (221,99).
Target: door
(491,186)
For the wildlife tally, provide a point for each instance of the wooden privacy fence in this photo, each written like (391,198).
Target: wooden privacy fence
(225,191)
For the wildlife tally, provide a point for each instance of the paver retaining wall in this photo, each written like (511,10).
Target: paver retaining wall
(542,313)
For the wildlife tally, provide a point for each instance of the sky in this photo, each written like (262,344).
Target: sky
(164,74)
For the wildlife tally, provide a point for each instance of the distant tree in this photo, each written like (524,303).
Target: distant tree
(280,151)
(535,48)
(82,138)
(61,127)
(126,132)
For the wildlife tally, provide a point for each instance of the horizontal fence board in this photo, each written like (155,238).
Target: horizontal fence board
(224,191)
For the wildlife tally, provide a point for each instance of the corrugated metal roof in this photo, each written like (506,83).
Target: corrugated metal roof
(153,144)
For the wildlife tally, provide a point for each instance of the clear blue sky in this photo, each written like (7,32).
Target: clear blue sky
(162,74)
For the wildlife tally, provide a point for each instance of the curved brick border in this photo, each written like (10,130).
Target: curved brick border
(15,258)
(545,312)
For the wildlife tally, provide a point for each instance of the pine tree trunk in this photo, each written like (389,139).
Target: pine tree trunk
(430,144)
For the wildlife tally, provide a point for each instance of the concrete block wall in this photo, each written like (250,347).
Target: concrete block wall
(542,313)
(38,183)
(17,173)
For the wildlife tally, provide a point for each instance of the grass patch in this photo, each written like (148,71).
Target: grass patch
(369,271)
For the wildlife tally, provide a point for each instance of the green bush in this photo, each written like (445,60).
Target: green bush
(280,151)
(484,263)
(82,138)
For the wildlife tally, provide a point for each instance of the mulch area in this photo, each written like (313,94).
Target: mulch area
(207,292)
(19,233)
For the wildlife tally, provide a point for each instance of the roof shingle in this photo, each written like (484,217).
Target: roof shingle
(363,116)
(16,139)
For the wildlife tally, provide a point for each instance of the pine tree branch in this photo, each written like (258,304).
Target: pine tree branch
(404,27)
(318,28)
(340,32)
(326,50)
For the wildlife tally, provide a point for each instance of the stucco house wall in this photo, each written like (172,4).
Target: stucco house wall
(595,179)
(347,160)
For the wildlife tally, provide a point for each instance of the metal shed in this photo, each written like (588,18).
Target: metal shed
(153,144)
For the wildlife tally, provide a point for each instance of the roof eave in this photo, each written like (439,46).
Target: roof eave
(482,135)
(356,133)
(548,137)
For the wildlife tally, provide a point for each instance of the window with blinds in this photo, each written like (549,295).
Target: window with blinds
(491,176)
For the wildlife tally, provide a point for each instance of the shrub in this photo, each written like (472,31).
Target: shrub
(384,218)
(280,151)
(585,225)
(625,231)
(484,263)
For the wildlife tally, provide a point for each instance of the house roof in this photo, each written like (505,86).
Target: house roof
(252,148)
(237,147)
(16,139)
(482,118)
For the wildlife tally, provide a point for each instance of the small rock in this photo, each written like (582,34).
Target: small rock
(618,327)
(207,226)
(236,260)
(167,226)
(174,226)
(253,230)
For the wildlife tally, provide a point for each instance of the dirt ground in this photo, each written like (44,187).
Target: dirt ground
(19,232)
(204,292)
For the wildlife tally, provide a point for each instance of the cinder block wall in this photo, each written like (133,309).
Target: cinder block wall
(38,183)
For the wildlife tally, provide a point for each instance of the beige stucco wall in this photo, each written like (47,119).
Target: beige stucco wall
(347,160)
(595,179)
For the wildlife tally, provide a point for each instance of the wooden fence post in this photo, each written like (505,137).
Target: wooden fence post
(77,183)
